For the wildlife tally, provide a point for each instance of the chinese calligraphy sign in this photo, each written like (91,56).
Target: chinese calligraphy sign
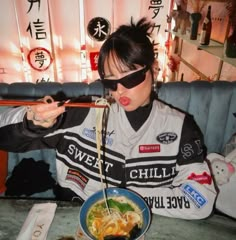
(99,28)
(39,59)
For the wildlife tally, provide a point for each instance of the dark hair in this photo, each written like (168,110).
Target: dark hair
(130,44)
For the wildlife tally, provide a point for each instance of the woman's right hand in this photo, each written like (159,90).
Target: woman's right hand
(45,114)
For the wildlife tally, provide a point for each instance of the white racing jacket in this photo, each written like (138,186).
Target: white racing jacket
(163,161)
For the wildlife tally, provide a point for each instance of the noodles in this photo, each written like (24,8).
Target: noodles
(99,125)
(115,216)
(124,216)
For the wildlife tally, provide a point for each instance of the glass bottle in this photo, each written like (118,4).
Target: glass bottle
(206,29)
(194,19)
(230,50)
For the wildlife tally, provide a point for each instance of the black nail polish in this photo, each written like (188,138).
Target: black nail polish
(61,103)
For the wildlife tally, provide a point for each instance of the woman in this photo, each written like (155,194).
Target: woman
(149,147)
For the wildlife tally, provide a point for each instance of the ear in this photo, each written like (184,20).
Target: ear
(155,69)
(212,156)
(231,156)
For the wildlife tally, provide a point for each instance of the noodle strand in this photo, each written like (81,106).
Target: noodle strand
(99,125)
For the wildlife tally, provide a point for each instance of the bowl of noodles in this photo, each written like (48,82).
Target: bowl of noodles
(114,214)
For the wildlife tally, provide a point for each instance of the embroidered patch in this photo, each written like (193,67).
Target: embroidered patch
(91,133)
(149,148)
(193,195)
(167,137)
(76,177)
(187,151)
(203,178)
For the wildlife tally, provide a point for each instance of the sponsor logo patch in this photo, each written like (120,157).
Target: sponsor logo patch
(203,178)
(149,148)
(76,177)
(167,137)
(193,195)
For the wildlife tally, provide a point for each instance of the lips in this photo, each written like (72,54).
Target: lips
(125,101)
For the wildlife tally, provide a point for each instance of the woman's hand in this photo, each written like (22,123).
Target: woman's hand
(45,114)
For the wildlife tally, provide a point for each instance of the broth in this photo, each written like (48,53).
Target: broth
(120,219)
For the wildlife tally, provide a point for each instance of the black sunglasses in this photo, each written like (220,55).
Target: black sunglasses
(129,81)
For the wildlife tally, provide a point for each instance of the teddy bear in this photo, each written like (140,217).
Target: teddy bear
(223,168)
(224,173)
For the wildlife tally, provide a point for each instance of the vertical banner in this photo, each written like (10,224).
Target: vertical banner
(157,11)
(98,24)
(66,39)
(11,65)
(35,40)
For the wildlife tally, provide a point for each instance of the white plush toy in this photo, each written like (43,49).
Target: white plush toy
(222,167)
(224,171)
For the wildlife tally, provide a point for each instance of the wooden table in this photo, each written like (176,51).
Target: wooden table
(14,212)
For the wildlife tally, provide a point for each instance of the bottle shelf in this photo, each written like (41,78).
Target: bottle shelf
(214,48)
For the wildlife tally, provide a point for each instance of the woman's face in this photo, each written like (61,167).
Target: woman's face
(129,98)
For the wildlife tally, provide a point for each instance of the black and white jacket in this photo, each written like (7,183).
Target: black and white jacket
(163,160)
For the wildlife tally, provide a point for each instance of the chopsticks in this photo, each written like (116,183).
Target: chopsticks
(60,103)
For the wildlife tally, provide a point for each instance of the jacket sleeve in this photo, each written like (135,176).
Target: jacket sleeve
(20,135)
(192,193)
(16,135)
